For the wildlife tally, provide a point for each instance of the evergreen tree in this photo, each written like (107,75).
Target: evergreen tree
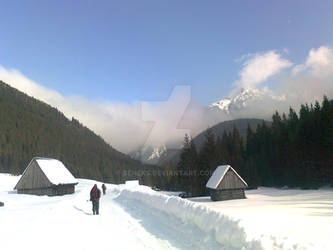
(188,167)
(208,158)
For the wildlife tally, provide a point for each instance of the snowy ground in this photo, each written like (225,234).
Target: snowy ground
(287,216)
(135,217)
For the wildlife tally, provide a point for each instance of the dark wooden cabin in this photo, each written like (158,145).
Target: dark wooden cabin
(45,176)
(226,184)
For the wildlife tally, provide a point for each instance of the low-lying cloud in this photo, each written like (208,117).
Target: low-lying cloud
(127,127)
(118,123)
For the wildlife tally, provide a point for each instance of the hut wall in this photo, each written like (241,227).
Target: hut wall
(50,191)
(33,178)
(231,181)
(36,191)
(229,194)
(63,189)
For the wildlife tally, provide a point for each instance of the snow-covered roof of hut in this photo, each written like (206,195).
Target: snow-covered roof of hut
(55,171)
(218,175)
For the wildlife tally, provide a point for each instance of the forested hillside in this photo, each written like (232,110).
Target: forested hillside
(295,151)
(29,128)
(173,156)
(227,127)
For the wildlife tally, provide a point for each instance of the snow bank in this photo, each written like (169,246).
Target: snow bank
(226,231)
(133,183)
(229,231)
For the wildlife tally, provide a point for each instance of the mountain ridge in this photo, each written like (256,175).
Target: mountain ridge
(30,128)
(172,155)
(243,104)
(249,102)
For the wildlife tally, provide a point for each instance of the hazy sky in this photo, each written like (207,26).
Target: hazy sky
(127,68)
(131,51)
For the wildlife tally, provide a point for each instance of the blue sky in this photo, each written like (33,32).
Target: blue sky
(129,51)
(149,67)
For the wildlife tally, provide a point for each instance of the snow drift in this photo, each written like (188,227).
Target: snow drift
(226,231)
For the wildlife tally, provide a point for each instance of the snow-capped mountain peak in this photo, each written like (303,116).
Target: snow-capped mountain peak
(240,100)
(251,102)
(223,104)
(149,154)
(157,153)
(243,103)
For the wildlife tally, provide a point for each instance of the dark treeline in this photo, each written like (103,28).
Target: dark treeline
(295,150)
(29,128)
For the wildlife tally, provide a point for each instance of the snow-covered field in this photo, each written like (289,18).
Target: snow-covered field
(287,217)
(136,217)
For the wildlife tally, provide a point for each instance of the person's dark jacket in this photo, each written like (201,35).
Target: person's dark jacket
(95,194)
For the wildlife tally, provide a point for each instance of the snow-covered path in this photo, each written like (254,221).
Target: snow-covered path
(66,222)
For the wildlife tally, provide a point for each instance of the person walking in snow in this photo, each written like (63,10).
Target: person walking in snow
(104,188)
(95,194)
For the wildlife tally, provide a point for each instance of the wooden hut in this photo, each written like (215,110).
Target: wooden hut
(226,184)
(44,176)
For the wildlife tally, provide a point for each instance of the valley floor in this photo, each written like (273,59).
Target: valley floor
(136,217)
(303,217)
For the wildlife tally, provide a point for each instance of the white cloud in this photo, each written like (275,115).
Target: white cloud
(313,79)
(304,83)
(322,57)
(319,63)
(259,67)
